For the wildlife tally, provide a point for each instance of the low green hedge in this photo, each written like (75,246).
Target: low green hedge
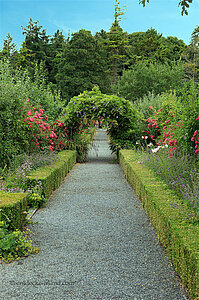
(14,207)
(178,236)
(52,175)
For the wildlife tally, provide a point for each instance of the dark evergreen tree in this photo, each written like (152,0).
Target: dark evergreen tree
(117,45)
(56,48)
(82,65)
(9,50)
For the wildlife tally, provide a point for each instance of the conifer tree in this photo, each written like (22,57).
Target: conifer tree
(118,43)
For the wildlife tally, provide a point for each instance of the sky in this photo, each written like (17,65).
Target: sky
(70,16)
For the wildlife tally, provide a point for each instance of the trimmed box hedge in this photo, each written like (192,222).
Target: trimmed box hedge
(52,175)
(14,206)
(178,236)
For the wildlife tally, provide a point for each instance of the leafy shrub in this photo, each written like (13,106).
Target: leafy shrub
(144,78)
(176,123)
(188,109)
(14,245)
(16,88)
(44,134)
(36,200)
(150,102)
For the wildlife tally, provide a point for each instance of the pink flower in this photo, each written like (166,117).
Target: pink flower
(53,135)
(150,107)
(46,118)
(152,137)
(29,112)
(51,148)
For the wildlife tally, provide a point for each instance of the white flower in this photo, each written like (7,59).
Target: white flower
(156,149)
(150,144)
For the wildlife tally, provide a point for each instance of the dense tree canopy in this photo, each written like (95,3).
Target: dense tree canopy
(82,65)
(191,57)
(78,62)
(145,78)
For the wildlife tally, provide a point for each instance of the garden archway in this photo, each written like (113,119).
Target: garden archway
(118,113)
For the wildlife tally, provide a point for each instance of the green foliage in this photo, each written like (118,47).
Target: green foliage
(82,65)
(81,141)
(188,111)
(37,42)
(117,44)
(152,47)
(14,245)
(36,200)
(184,4)
(191,57)
(149,102)
(13,207)
(174,122)
(121,118)
(168,215)
(145,46)
(16,88)
(53,174)
(144,78)
(9,49)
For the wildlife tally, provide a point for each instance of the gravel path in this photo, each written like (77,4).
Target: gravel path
(95,240)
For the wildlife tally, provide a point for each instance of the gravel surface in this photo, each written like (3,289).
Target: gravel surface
(95,240)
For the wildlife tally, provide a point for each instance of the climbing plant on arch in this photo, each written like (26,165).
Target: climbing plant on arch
(118,113)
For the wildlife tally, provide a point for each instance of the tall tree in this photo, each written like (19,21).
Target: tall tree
(81,65)
(173,48)
(57,46)
(9,48)
(36,42)
(191,57)
(118,43)
(145,46)
(151,46)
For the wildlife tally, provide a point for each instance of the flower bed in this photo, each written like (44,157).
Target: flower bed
(178,236)
(52,175)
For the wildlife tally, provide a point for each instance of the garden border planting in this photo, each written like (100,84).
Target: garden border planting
(52,175)
(167,213)
(14,206)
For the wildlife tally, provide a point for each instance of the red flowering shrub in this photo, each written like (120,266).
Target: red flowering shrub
(166,129)
(44,133)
